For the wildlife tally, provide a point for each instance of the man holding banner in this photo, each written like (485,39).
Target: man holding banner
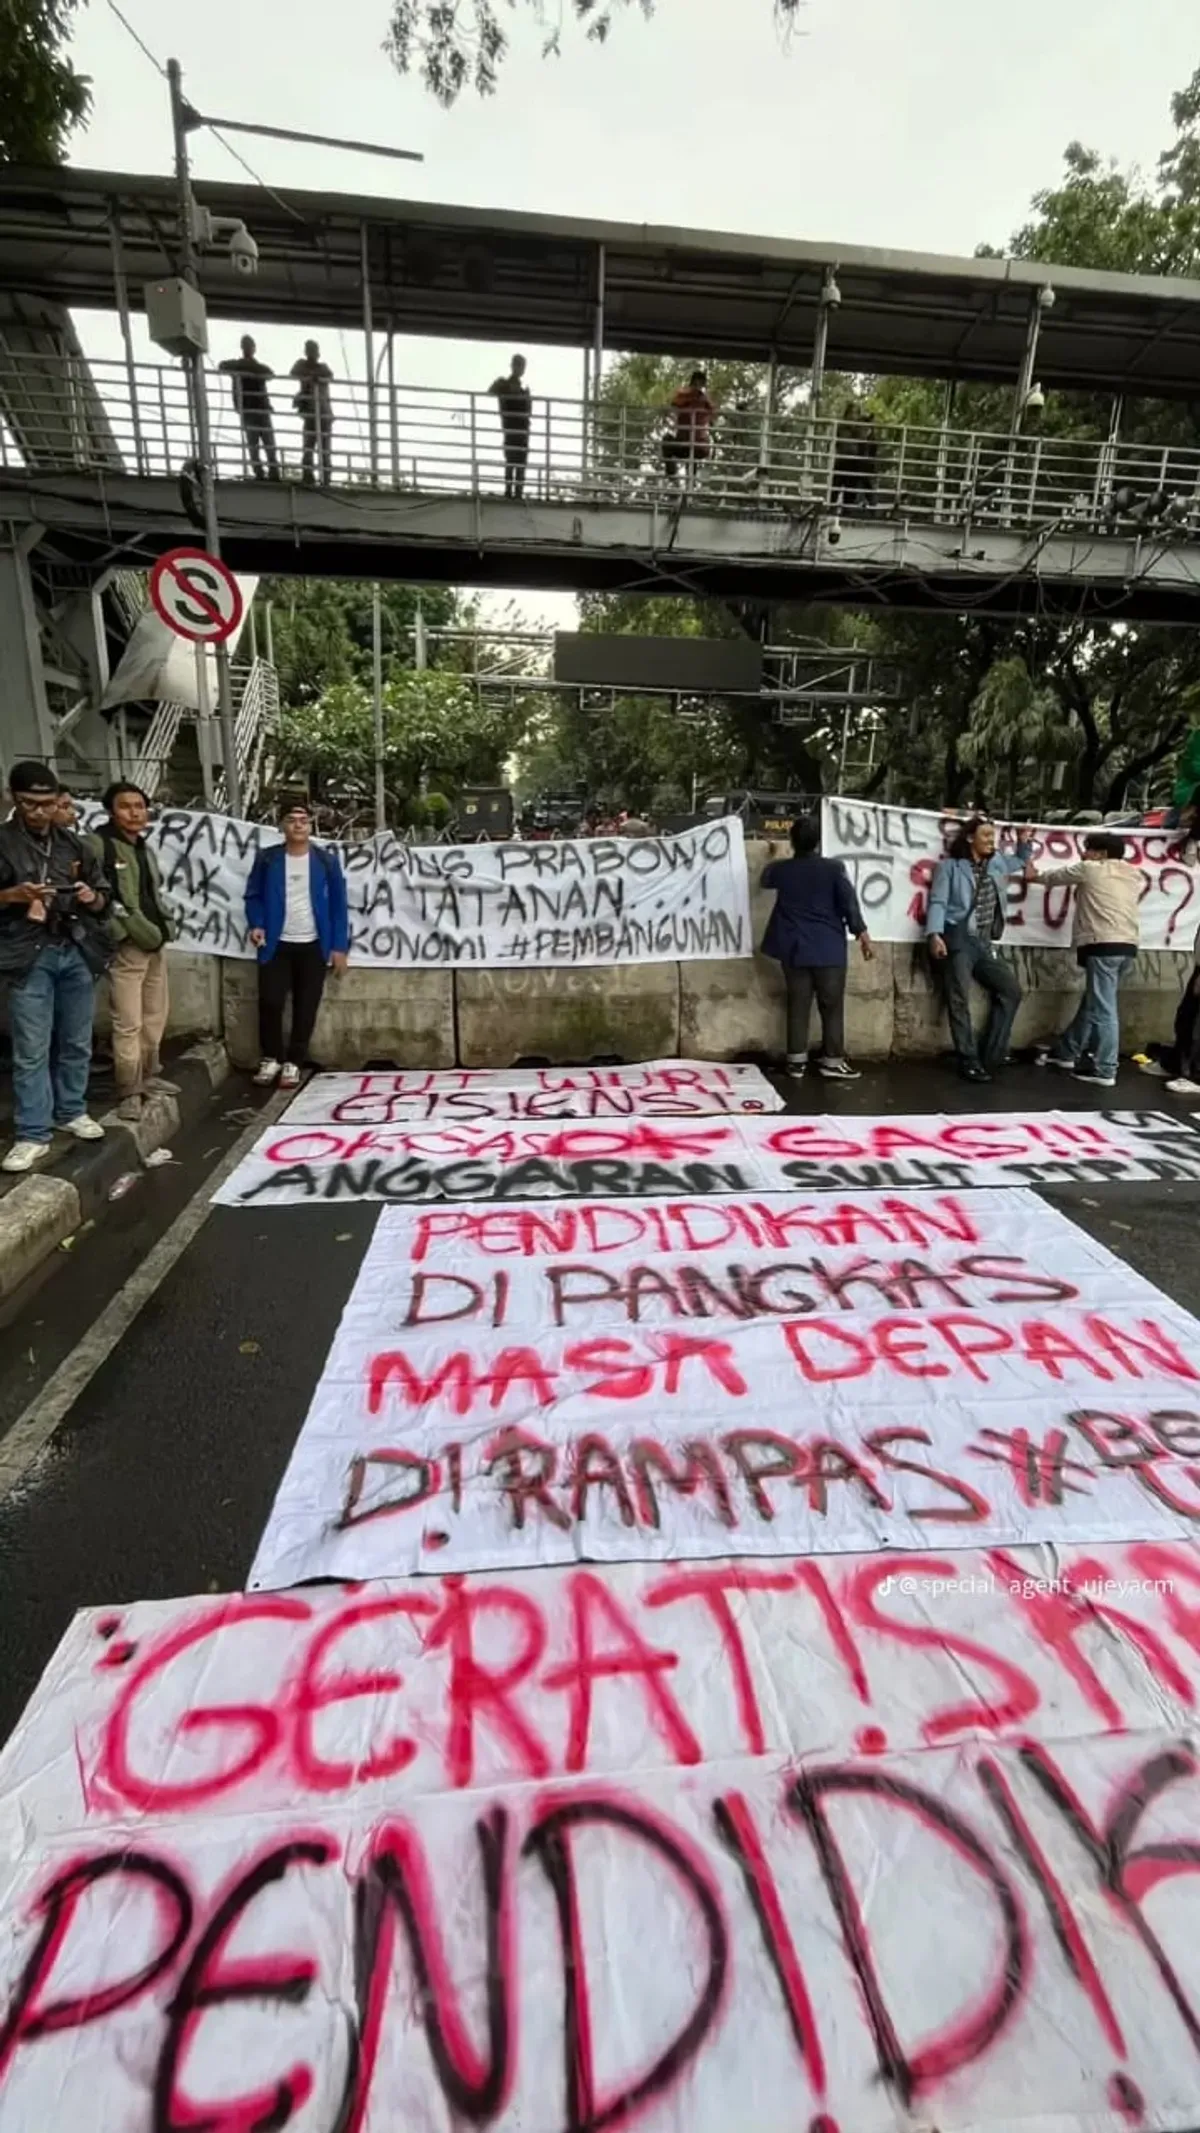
(966,919)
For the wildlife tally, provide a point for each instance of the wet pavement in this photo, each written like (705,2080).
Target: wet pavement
(160,1479)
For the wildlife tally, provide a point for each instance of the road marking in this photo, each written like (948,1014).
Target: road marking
(20,1445)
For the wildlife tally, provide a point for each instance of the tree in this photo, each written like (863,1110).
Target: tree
(323,630)
(458,44)
(437,732)
(41,96)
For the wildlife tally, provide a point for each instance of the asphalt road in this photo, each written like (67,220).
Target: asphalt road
(159,1479)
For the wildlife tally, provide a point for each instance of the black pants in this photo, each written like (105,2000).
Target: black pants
(971,958)
(317,445)
(297,968)
(516,459)
(260,442)
(828,982)
(1183,1057)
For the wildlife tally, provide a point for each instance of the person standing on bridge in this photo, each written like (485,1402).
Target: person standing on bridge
(966,918)
(313,404)
(691,439)
(516,421)
(299,920)
(140,925)
(252,401)
(815,908)
(53,947)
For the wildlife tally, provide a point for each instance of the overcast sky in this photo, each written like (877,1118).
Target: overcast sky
(922,124)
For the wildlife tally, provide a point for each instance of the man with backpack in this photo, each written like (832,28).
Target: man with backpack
(299,920)
(139,923)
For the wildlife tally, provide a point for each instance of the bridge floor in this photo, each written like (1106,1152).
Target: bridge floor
(655,546)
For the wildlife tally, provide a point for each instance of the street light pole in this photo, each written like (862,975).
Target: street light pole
(198,391)
(377,662)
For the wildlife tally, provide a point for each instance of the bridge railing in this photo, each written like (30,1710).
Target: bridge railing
(426,441)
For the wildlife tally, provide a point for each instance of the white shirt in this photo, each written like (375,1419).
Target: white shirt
(299,923)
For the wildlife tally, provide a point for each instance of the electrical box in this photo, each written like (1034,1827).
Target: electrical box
(176,316)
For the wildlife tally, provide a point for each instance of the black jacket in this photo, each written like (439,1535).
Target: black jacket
(63,861)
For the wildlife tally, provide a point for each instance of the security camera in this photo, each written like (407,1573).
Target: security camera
(1046,298)
(1035,400)
(833,532)
(831,295)
(243,251)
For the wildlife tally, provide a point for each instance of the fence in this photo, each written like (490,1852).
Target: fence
(353,434)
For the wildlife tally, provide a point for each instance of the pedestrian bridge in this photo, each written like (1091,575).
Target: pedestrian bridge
(414,483)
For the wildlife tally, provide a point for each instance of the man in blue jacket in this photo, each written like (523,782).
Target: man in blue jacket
(967,904)
(299,922)
(815,908)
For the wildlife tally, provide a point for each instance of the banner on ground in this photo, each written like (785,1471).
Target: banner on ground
(805,1845)
(319,1163)
(664,1088)
(567,903)
(891,852)
(714,1377)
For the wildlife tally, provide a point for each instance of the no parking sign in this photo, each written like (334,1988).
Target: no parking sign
(196,596)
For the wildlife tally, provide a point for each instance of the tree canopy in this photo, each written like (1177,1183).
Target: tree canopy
(41,96)
(462,44)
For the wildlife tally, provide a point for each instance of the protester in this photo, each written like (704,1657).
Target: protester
(66,813)
(313,403)
(694,414)
(815,908)
(297,912)
(966,918)
(1178,1063)
(1104,935)
(516,418)
(252,403)
(139,923)
(52,949)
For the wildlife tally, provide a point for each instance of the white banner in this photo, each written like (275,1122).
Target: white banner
(891,852)
(859,1844)
(567,903)
(710,1377)
(664,1088)
(313,1164)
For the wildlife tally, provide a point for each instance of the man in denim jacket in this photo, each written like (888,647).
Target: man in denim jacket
(966,918)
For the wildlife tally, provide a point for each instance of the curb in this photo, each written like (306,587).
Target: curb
(49,1206)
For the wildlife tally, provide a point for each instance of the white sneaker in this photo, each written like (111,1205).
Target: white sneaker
(1183,1087)
(1154,1068)
(24,1154)
(290,1077)
(267,1073)
(83,1128)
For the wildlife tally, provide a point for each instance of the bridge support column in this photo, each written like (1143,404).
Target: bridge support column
(26,727)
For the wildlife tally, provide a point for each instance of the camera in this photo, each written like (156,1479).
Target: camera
(243,251)
(833,532)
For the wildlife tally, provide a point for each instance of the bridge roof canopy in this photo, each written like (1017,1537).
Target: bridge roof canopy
(487,274)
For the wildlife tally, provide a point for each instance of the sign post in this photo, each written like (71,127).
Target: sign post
(196,596)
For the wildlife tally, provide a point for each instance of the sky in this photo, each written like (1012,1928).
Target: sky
(917,124)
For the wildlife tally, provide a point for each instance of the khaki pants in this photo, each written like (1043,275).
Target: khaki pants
(139,1013)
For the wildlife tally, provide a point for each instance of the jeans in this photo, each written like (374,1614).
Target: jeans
(53,1005)
(970,957)
(296,968)
(138,983)
(829,983)
(1096,1027)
